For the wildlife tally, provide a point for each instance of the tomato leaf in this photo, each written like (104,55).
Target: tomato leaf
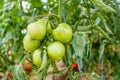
(78,43)
(102,6)
(35,3)
(103,33)
(84,28)
(44,60)
(18,73)
(104,23)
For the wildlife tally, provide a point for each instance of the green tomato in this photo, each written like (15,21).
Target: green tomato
(37,57)
(56,50)
(63,33)
(37,30)
(30,44)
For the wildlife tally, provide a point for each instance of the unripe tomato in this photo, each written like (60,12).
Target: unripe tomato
(28,67)
(37,30)
(63,33)
(74,66)
(37,57)
(29,44)
(56,50)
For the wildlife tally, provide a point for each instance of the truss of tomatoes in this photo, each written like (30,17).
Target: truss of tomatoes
(36,33)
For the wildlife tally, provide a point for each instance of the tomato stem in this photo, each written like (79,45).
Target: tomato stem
(63,12)
(60,11)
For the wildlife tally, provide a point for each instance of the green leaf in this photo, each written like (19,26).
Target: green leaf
(104,23)
(1,3)
(103,33)
(95,76)
(44,60)
(35,3)
(102,6)
(78,43)
(17,73)
(39,76)
(84,28)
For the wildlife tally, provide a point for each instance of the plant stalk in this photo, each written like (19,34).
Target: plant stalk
(60,10)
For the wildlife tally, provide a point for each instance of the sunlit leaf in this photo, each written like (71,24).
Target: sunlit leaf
(78,43)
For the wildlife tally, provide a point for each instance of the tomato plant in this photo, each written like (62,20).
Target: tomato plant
(84,32)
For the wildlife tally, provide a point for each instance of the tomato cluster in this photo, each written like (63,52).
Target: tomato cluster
(36,34)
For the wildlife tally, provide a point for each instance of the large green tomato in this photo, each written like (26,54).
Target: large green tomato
(56,50)
(30,44)
(63,33)
(37,57)
(37,30)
